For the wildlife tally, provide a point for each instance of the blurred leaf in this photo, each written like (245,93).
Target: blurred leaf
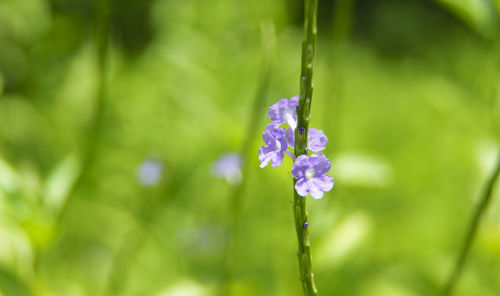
(185,288)
(361,170)
(12,285)
(60,181)
(21,24)
(383,287)
(15,249)
(24,20)
(1,84)
(478,14)
(131,25)
(21,185)
(9,181)
(343,239)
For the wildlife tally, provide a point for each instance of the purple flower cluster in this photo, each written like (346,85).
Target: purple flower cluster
(310,171)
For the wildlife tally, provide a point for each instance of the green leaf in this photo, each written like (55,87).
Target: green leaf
(60,181)
(10,284)
(478,14)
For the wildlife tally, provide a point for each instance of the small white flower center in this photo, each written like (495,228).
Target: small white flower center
(310,173)
(278,146)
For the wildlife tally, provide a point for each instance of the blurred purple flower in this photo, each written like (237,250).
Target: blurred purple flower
(310,173)
(275,147)
(228,166)
(149,172)
(316,139)
(285,111)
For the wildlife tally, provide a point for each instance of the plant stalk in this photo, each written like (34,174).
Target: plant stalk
(303,117)
(473,227)
(236,196)
(487,192)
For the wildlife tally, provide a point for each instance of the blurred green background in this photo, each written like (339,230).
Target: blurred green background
(112,114)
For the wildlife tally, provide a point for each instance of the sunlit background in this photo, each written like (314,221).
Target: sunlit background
(129,133)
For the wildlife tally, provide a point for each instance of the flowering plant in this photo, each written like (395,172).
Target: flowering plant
(309,171)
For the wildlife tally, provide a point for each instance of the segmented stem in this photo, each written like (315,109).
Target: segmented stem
(303,116)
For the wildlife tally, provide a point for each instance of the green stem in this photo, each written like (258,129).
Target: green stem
(303,117)
(473,227)
(487,190)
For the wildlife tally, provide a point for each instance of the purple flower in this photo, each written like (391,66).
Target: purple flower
(310,175)
(149,172)
(316,139)
(285,111)
(228,166)
(275,147)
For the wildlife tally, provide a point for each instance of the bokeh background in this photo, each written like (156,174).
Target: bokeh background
(113,113)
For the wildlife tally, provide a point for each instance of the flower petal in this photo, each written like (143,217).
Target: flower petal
(323,182)
(283,140)
(290,137)
(320,163)
(314,191)
(271,132)
(294,101)
(265,155)
(302,187)
(264,151)
(276,110)
(265,162)
(290,116)
(277,159)
(300,166)
(317,140)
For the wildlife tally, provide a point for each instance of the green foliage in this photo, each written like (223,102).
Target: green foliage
(480,15)
(408,99)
